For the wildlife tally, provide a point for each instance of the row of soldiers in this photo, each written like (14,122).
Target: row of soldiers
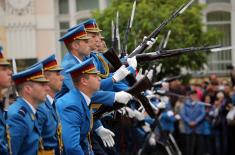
(53,110)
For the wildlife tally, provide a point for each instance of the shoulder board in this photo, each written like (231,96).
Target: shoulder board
(22,111)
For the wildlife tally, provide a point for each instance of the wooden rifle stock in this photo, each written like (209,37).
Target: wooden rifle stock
(116,63)
(135,91)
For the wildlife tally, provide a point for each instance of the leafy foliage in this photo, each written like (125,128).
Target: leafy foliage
(186,30)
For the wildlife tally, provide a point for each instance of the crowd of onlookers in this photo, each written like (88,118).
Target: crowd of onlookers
(207,116)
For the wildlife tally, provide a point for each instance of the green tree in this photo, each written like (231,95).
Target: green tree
(187,29)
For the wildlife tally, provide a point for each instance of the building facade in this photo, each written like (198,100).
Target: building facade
(29,29)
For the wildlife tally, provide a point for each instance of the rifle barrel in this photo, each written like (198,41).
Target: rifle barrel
(155,33)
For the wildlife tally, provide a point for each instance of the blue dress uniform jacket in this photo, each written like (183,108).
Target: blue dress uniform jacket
(48,123)
(24,130)
(75,118)
(3,142)
(104,97)
(167,122)
(193,112)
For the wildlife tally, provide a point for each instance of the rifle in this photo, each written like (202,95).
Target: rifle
(155,33)
(136,89)
(14,67)
(165,143)
(128,29)
(166,39)
(163,42)
(117,33)
(174,52)
(169,93)
(168,79)
(114,38)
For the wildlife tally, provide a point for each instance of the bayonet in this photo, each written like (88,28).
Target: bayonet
(141,48)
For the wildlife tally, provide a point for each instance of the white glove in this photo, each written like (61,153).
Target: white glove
(130,112)
(170,113)
(161,105)
(132,62)
(141,109)
(165,86)
(121,73)
(158,68)
(150,96)
(146,127)
(177,117)
(123,97)
(106,135)
(152,140)
(150,42)
(138,115)
(122,111)
(150,75)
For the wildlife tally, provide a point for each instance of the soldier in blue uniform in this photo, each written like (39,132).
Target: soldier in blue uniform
(100,62)
(32,87)
(74,110)
(47,116)
(5,82)
(76,41)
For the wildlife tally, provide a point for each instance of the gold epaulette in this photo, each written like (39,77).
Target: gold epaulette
(105,65)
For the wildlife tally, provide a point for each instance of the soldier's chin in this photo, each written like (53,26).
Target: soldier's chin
(43,100)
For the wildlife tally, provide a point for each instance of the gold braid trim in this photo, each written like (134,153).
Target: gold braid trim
(59,134)
(89,133)
(41,144)
(105,65)
(8,137)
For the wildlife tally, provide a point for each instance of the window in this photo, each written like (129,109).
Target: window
(220,21)
(81,20)
(87,4)
(22,64)
(63,6)
(63,29)
(216,1)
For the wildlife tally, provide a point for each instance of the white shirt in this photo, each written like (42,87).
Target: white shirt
(50,99)
(87,99)
(31,107)
(78,59)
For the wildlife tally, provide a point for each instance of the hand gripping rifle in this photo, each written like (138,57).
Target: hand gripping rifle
(116,63)
(155,33)
(174,52)
(135,90)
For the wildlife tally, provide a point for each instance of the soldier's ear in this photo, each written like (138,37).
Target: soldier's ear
(75,45)
(84,81)
(27,88)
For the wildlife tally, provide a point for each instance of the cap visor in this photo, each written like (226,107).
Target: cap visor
(93,30)
(5,63)
(40,80)
(93,72)
(55,69)
(84,38)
